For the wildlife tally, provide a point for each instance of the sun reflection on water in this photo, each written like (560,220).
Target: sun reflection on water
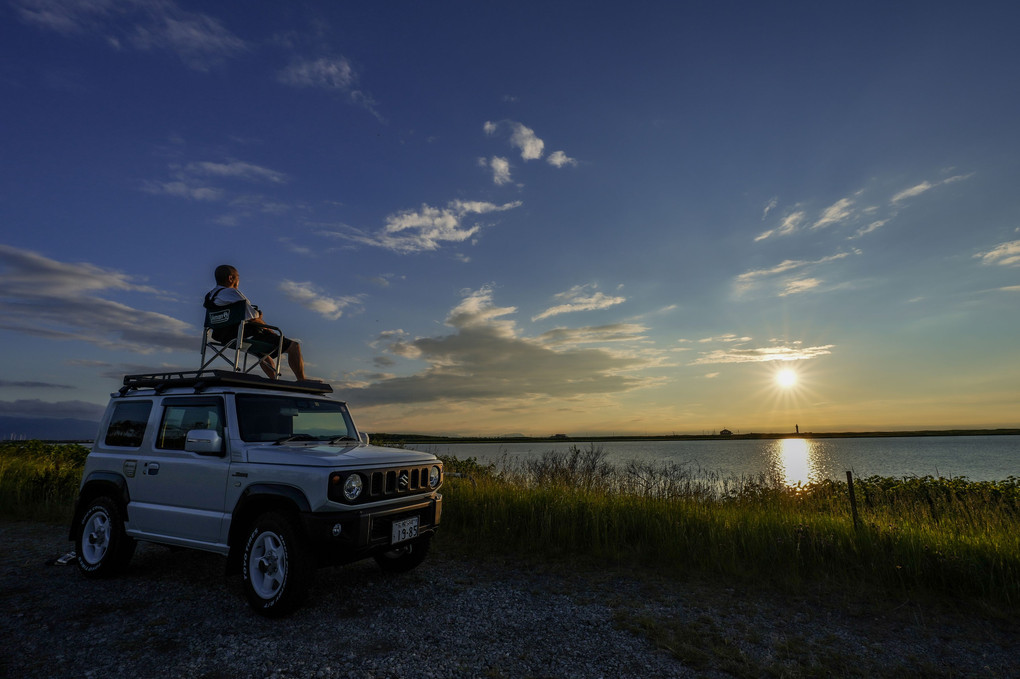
(795,459)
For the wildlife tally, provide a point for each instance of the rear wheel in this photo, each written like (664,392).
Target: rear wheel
(275,566)
(406,557)
(102,547)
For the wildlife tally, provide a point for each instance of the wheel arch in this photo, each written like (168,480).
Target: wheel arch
(97,484)
(259,498)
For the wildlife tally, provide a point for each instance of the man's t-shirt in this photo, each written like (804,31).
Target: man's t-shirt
(221,296)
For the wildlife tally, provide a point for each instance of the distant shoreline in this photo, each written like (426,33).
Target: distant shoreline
(425,438)
(422,438)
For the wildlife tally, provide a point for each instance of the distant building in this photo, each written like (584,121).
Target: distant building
(725,432)
(559,436)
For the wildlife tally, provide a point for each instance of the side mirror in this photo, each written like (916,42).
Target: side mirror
(204,442)
(363,435)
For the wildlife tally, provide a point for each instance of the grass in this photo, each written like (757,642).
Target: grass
(946,535)
(38,480)
(921,534)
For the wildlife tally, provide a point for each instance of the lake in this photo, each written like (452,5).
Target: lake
(979,458)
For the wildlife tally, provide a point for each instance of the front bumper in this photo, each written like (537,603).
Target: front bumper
(343,537)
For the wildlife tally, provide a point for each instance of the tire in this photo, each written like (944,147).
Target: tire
(275,567)
(102,547)
(405,557)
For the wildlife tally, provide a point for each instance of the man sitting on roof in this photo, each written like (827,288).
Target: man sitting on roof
(226,293)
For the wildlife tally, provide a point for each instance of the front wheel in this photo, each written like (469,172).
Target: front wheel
(276,567)
(404,558)
(101,546)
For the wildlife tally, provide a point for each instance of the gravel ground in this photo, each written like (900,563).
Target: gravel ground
(175,614)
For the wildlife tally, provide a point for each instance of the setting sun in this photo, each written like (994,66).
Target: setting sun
(786,378)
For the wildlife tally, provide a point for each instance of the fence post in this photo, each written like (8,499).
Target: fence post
(853,498)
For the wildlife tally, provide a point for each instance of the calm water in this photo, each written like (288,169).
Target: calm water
(979,458)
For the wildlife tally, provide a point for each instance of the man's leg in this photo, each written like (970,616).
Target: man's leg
(268,366)
(296,362)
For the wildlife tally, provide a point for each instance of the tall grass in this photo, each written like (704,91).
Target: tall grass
(931,534)
(39,480)
(936,534)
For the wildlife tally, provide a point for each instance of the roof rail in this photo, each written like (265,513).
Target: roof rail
(201,380)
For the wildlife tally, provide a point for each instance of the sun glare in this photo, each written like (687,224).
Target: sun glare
(786,378)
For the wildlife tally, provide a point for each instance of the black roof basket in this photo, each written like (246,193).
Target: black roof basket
(203,379)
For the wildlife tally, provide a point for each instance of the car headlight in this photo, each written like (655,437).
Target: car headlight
(435,474)
(352,487)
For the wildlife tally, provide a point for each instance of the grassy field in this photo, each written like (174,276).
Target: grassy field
(932,534)
(920,534)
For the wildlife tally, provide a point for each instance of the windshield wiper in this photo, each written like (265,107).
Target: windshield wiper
(294,437)
(337,439)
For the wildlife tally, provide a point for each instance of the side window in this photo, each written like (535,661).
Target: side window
(181,417)
(127,425)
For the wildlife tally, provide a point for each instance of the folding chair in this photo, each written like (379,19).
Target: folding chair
(237,349)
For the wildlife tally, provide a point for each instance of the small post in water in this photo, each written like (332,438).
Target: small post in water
(853,498)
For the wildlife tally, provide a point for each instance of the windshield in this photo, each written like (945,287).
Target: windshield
(281,419)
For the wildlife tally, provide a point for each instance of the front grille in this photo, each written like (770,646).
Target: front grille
(384,484)
(396,482)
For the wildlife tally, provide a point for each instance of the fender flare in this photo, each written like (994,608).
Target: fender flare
(100,483)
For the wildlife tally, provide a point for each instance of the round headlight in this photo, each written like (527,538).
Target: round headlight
(434,476)
(352,487)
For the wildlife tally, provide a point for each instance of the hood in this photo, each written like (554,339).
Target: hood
(343,455)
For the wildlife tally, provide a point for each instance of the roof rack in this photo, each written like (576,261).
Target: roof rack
(201,380)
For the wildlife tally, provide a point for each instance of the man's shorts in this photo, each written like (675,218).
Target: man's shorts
(257,333)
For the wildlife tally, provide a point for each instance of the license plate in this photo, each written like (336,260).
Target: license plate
(404,530)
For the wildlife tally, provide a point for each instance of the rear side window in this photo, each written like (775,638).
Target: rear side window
(127,425)
(180,417)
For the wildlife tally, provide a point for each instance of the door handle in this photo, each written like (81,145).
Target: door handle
(152,468)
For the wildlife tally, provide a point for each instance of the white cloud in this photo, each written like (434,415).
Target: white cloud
(835,213)
(926,186)
(559,159)
(788,275)
(236,169)
(500,170)
(788,225)
(795,286)
(311,297)
(769,207)
(616,332)
(1003,254)
(333,73)
(43,297)
(198,39)
(426,228)
(526,141)
(864,230)
(792,351)
(578,298)
(486,359)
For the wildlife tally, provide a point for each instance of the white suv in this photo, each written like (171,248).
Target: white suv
(272,474)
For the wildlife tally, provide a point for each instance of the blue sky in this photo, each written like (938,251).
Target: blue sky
(531,218)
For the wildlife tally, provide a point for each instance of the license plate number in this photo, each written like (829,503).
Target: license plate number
(404,530)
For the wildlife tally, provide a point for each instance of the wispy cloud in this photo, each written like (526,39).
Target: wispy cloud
(312,297)
(29,384)
(486,358)
(43,297)
(579,298)
(835,213)
(787,277)
(615,332)
(332,73)
(198,39)
(1003,254)
(425,229)
(30,407)
(924,187)
(500,168)
(777,351)
(560,159)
